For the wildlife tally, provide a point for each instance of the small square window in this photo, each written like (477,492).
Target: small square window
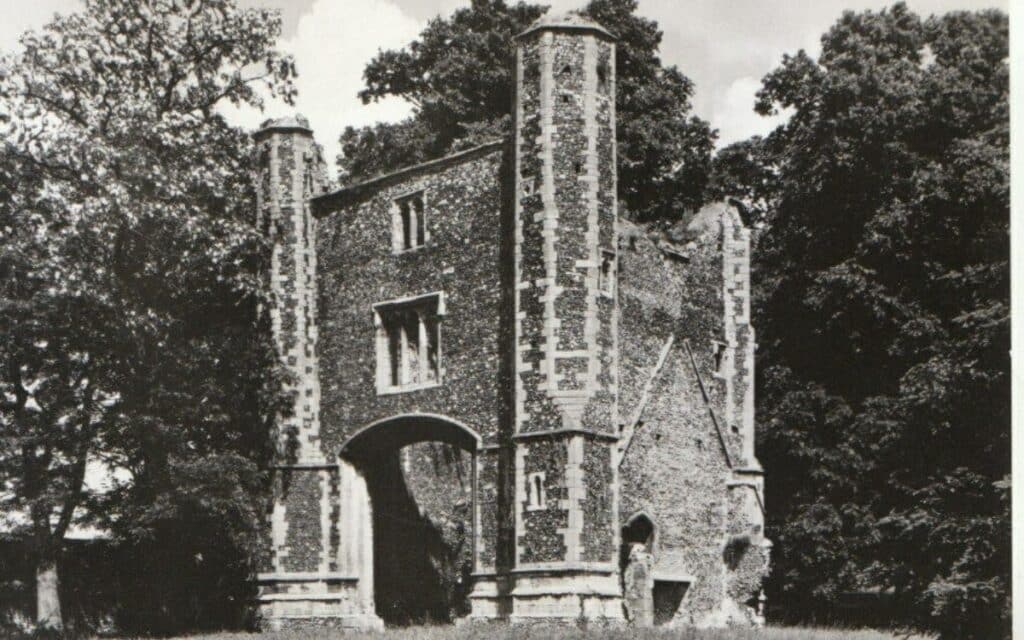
(529,185)
(409,227)
(408,344)
(606,275)
(536,495)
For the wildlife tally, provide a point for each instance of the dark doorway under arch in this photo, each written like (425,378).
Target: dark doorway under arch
(638,530)
(419,474)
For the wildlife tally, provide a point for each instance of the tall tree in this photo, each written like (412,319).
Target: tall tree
(745,173)
(884,317)
(459,78)
(128,269)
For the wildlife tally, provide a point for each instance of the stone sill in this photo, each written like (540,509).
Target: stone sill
(303,576)
(390,391)
(757,471)
(526,435)
(560,590)
(664,576)
(286,597)
(411,250)
(306,464)
(563,568)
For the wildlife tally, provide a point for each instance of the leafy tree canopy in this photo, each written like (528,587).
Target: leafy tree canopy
(459,78)
(884,318)
(128,272)
(744,172)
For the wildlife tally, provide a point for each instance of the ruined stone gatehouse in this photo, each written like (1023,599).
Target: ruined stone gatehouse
(509,403)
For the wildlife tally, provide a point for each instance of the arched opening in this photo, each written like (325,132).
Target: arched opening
(419,471)
(639,529)
(636,561)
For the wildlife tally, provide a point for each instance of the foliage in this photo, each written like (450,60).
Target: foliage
(129,333)
(884,314)
(745,173)
(458,77)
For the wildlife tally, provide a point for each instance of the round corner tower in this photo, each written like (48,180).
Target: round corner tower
(566,433)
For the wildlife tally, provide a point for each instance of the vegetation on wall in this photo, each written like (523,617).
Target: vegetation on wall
(129,289)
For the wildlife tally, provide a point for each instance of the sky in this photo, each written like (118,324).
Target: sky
(724,46)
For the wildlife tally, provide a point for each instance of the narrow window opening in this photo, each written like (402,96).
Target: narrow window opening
(718,353)
(394,334)
(411,330)
(602,77)
(421,228)
(433,349)
(577,167)
(406,226)
(606,274)
(410,227)
(566,70)
(536,498)
(566,98)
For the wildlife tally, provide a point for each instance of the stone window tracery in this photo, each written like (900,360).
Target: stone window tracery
(409,343)
(409,225)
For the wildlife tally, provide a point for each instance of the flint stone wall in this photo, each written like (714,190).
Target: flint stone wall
(676,470)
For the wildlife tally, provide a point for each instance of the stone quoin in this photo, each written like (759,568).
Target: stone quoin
(509,404)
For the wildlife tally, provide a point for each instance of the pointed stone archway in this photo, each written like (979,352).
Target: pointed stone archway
(414,553)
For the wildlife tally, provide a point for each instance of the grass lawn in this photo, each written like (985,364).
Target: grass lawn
(505,632)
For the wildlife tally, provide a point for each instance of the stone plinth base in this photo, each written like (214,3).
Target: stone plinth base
(329,601)
(566,597)
(548,596)
(341,623)
(491,597)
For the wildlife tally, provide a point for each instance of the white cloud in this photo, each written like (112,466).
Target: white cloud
(725,47)
(733,112)
(30,15)
(332,44)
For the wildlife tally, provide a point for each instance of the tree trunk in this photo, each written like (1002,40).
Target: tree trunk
(48,615)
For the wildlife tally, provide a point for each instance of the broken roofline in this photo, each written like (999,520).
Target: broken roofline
(330,202)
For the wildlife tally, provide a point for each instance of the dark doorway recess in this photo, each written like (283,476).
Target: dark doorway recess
(419,474)
(638,530)
(668,595)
